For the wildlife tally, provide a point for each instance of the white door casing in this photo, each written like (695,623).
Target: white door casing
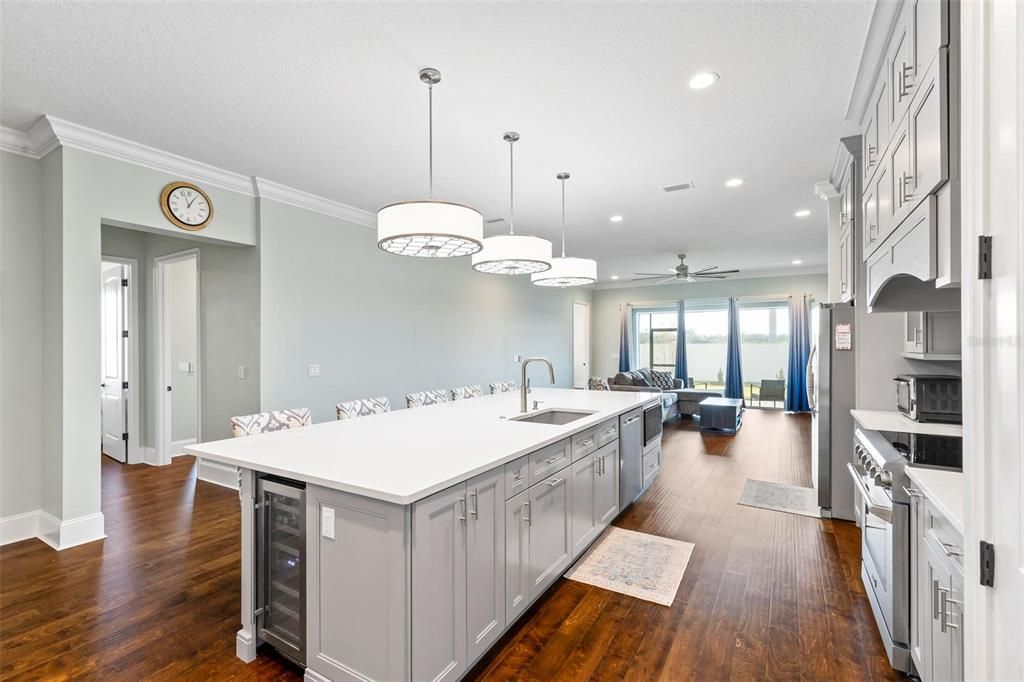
(113,362)
(580,344)
(992,172)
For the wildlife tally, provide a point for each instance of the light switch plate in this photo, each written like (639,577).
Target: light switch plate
(517,357)
(327,522)
(241,372)
(314,370)
(184,367)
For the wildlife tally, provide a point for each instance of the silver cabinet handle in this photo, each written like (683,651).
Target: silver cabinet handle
(551,460)
(936,599)
(652,465)
(610,431)
(517,476)
(462,503)
(631,420)
(906,73)
(905,194)
(586,443)
(525,517)
(555,481)
(950,552)
(475,509)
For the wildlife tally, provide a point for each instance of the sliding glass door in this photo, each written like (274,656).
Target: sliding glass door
(656,339)
(764,350)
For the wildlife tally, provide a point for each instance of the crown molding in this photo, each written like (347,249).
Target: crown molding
(76,136)
(880,28)
(35,144)
(267,189)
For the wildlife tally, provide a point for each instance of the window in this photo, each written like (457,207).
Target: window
(764,344)
(656,339)
(707,331)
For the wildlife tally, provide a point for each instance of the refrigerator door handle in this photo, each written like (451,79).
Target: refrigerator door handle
(809,378)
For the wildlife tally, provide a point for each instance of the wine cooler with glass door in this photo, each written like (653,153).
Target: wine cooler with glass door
(281,565)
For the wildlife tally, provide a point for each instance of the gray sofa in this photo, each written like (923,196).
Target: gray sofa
(675,401)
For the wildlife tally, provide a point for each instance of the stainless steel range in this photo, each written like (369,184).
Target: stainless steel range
(879,476)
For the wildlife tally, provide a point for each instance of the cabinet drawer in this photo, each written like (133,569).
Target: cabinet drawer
(607,432)
(584,443)
(517,476)
(942,536)
(547,461)
(652,465)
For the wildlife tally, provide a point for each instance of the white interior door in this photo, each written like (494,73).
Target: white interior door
(580,344)
(114,402)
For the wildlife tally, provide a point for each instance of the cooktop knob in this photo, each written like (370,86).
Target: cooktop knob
(884,479)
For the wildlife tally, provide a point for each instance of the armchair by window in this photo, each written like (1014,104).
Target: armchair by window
(773,390)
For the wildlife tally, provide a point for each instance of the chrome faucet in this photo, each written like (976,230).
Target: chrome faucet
(522,382)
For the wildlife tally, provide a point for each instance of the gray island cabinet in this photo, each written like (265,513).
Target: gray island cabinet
(418,585)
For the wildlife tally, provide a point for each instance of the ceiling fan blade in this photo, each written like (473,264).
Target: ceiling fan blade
(668,279)
(653,274)
(644,279)
(710,267)
(721,272)
(711,276)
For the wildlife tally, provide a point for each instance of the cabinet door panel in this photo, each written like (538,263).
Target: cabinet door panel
(929,129)
(939,655)
(439,586)
(584,525)
(883,201)
(901,67)
(902,178)
(550,536)
(606,493)
(485,561)
(517,555)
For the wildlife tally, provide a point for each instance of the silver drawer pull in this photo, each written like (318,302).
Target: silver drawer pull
(462,503)
(611,430)
(552,460)
(475,509)
(517,476)
(555,481)
(949,549)
(652,465)
(586,443)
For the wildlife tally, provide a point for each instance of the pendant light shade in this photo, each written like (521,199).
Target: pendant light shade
(513,254)
(429,228)
(567,272)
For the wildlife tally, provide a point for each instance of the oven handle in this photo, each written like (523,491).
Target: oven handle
(884,513)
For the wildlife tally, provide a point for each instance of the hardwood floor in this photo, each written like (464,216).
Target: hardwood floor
(766,595)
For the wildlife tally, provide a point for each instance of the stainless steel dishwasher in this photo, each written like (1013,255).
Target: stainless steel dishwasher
(631,457)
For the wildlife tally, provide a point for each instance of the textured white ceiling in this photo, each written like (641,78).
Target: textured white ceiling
(325,98)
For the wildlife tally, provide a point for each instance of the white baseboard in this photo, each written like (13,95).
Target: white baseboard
(57,534)
(178,446)
(217,473)
(149,456)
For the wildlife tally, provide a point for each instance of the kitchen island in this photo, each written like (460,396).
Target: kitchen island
(426,532)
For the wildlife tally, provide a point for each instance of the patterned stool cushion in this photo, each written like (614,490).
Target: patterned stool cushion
(364,407)
(598,384)
(662,379)
(464,392)
(265,422)
(423,398)
(504,387)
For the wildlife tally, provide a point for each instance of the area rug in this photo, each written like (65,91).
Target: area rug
(792,499)
(644,566)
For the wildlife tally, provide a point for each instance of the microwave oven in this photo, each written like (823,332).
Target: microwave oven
(929,397)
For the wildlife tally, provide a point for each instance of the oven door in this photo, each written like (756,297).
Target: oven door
(877,542)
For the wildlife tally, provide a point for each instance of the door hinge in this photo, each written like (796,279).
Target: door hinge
(124,333)
(124,437)
(988,564)
(124,385)
(984,256)
(124,281)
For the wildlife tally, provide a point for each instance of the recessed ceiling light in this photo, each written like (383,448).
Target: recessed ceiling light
(615,276)
(703,80)
(616,219)
(797,262)
(802,213)
(734,182)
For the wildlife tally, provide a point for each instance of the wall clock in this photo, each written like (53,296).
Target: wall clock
(186,206)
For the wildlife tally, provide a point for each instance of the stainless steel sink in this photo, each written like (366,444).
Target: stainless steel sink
(552,416)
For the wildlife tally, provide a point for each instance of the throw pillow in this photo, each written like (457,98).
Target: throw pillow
(662,379)
(646,374)
(598,384)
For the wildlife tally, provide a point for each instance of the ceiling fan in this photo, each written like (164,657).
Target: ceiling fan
(683,273)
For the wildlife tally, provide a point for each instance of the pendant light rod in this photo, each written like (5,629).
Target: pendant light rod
(563,176)
(511,137)
(431,77)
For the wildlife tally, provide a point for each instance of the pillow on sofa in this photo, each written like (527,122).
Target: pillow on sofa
(638,377)
(662,379)
(598,384)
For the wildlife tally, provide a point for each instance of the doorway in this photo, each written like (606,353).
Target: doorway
(119,365)
(580,344)
(177,394)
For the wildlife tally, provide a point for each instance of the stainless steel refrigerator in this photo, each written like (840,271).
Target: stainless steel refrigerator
(831,394)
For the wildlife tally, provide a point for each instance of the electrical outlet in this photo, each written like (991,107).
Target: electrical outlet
(327,522)
(314,370)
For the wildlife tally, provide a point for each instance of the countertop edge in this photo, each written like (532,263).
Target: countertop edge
(892,420)
(920,476)
(421,494)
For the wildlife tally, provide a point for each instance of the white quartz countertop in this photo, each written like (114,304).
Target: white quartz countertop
(893,420)
(945,489)
(405,455)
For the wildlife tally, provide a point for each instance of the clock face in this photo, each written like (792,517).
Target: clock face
(186,205)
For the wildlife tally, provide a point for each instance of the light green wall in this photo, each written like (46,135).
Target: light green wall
(605,320)
(21,329)
(379,324)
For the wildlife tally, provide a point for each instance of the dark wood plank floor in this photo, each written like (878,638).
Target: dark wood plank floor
(766,595)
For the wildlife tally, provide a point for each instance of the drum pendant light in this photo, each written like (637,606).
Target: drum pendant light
(566,272)
(513,254)
(429,228)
